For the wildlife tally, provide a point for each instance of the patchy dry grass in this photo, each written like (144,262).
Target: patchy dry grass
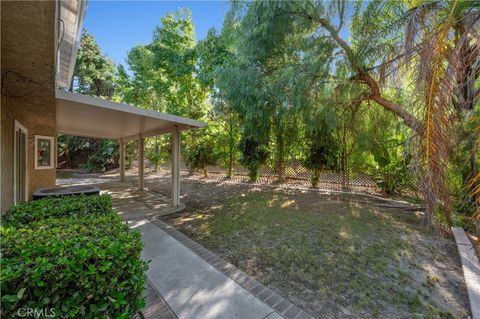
(333,257)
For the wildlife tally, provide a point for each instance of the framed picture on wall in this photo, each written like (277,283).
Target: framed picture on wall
(44,152)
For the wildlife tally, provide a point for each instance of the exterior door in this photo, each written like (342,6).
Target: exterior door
(20,163)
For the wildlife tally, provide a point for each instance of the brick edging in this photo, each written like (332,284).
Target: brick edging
(278,303)
(155,306)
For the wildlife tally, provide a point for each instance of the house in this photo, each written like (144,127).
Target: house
(39,43)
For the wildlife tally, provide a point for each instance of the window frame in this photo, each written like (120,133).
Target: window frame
(52,151)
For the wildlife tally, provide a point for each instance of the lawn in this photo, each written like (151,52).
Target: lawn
(334,256)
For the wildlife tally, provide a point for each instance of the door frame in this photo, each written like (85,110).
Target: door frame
(19,126)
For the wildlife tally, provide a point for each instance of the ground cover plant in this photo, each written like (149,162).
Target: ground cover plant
(72,256)
(336,256)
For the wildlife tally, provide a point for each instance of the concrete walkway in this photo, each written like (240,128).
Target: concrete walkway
(191,286)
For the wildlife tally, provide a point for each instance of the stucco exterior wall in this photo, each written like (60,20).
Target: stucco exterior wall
(28,86)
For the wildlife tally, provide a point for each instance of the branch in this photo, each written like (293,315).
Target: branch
(341,14)
(364,77)
(375,95)
(343,44)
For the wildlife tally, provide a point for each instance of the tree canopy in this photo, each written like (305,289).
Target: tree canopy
(384,88)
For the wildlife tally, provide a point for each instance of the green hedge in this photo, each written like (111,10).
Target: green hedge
(82,261)
(73,206)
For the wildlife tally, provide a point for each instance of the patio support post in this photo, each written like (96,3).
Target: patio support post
(176,167)
(141,160)
(122,160)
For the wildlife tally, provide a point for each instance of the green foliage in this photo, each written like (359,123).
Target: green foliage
(131,149)
(68,145)
(73,255)
(254,155)
(94,73)
(322,146)
(157,150)
(201,156)
(24,213)
(281,81)
(215,53)
(106,153)
(164,70)
(382,141)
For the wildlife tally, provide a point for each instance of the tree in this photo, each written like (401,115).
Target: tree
(106,156)
(174,59)
(442,41)
(67,145)
(215,53)
(254,154)
(322,146)
(157,150)
(164,76)
(263,101)
(94,73)
(200,156)
(376,50)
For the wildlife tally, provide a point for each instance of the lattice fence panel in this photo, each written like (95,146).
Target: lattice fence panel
(295,175)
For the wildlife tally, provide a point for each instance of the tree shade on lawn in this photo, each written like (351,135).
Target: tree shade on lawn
(336,256)
(407,72)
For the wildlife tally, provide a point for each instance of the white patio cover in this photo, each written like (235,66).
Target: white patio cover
(87,116)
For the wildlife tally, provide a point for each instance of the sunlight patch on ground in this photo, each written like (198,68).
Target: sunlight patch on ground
(287,203)
(334,257)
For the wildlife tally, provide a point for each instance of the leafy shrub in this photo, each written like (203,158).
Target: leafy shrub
(391,175)
(200,156)
(157,150)
(106,156)
(254,155)
(66,206)
(314,177)
(322,151)
(81,264)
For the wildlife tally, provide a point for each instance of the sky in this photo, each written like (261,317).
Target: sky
(118,26)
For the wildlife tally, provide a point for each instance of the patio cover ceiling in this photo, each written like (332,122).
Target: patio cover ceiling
(83,115)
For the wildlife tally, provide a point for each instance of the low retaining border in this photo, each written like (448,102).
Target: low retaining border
(471,269)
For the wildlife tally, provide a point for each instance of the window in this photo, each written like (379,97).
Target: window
(44,152)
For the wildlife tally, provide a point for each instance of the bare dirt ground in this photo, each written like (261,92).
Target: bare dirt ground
(334,255)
